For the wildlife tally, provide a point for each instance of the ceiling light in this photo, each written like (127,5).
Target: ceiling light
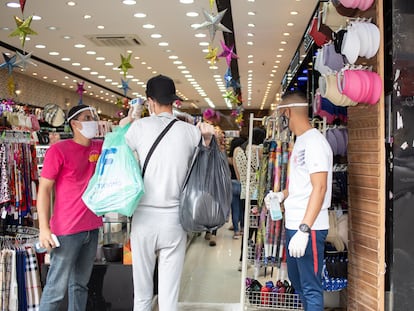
(129,2)
(86,68)
(90,52)
(195,25)
(53,53)
(52,28)
(294,13)
(186,1)
(156,36)
(173,57)
(76,64)
(250,56)
(181,67)
(281,50)
(213,67)
(148,26)
(13,5)
(87,16)
(163,44)
(177,62)
(250,62)
(251,25)
(204,43)
(192,14)
(249,34)
(100,27)
(200,35)
(286,34)
(250,0)
(71,3)
(109,64)
(36,18)
(65,59)
(67,37)
(101,77)
(290,24)
(140,15)
(185,71)
(40,46)
(79,46)
(251,13)
(143,63)
(93,73)
(283,42)
(45,77)
(249,42)
(34,73)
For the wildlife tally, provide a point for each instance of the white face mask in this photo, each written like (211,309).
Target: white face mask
(89,129)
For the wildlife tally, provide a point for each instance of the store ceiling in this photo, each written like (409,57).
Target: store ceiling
(266,35)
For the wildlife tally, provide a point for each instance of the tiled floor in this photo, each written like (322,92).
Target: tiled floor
(210,280)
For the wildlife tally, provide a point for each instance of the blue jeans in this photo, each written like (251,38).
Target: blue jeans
(305,272)
(71,266)
(236,208)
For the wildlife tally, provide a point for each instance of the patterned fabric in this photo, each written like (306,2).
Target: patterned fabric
(33,287)
(13,295)
(4,176)
(240,158)
(21,280)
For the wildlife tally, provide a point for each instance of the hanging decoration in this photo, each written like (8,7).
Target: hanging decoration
(23,29)
(213,24)
(229,95)
(228,77)
(212,55)
(237,114)
(23,60)
(125,86)
(211,4)
(11,86)
(22,4)
(80,91)
(227,53)
(9,63)
(125,64)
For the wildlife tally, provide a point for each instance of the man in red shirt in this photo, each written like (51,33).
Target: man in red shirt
(67,168)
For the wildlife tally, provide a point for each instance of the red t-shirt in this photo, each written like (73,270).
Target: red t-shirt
(71,166)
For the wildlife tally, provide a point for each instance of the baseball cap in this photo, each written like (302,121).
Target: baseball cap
(162,89)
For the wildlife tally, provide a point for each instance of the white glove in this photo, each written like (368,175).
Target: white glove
(298,243)
(273,196)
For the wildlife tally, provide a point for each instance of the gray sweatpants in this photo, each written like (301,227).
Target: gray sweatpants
(157,232)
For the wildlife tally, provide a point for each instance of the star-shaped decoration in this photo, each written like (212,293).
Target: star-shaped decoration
(9,63)
(125,64)
(211,4)
(80,88)
(125,86)
(227,53)
(213,24)
(119,102)
(231,97)
(227,77)
(22,4)
(212,55)
(23,29)
(23,60)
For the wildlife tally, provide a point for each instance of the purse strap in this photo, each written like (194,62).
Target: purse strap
(156,142)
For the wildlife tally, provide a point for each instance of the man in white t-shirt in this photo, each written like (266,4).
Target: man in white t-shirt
(307,200)
(156,230)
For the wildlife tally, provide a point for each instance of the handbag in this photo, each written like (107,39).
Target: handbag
(206,197)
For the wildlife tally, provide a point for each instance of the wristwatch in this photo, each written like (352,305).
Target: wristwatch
(305,228)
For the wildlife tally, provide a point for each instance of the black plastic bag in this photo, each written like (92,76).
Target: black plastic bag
(206,197)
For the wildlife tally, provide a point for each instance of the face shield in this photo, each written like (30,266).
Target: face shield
(282,122)
(91,115)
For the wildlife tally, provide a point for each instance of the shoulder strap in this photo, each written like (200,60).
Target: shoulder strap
(156,142)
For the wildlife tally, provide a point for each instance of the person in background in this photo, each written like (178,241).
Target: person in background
(236,203)
(67,168)
(212,117)
(306,201)
(156,231)
(240,167)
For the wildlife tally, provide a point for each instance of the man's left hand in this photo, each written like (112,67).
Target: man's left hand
(298,243)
